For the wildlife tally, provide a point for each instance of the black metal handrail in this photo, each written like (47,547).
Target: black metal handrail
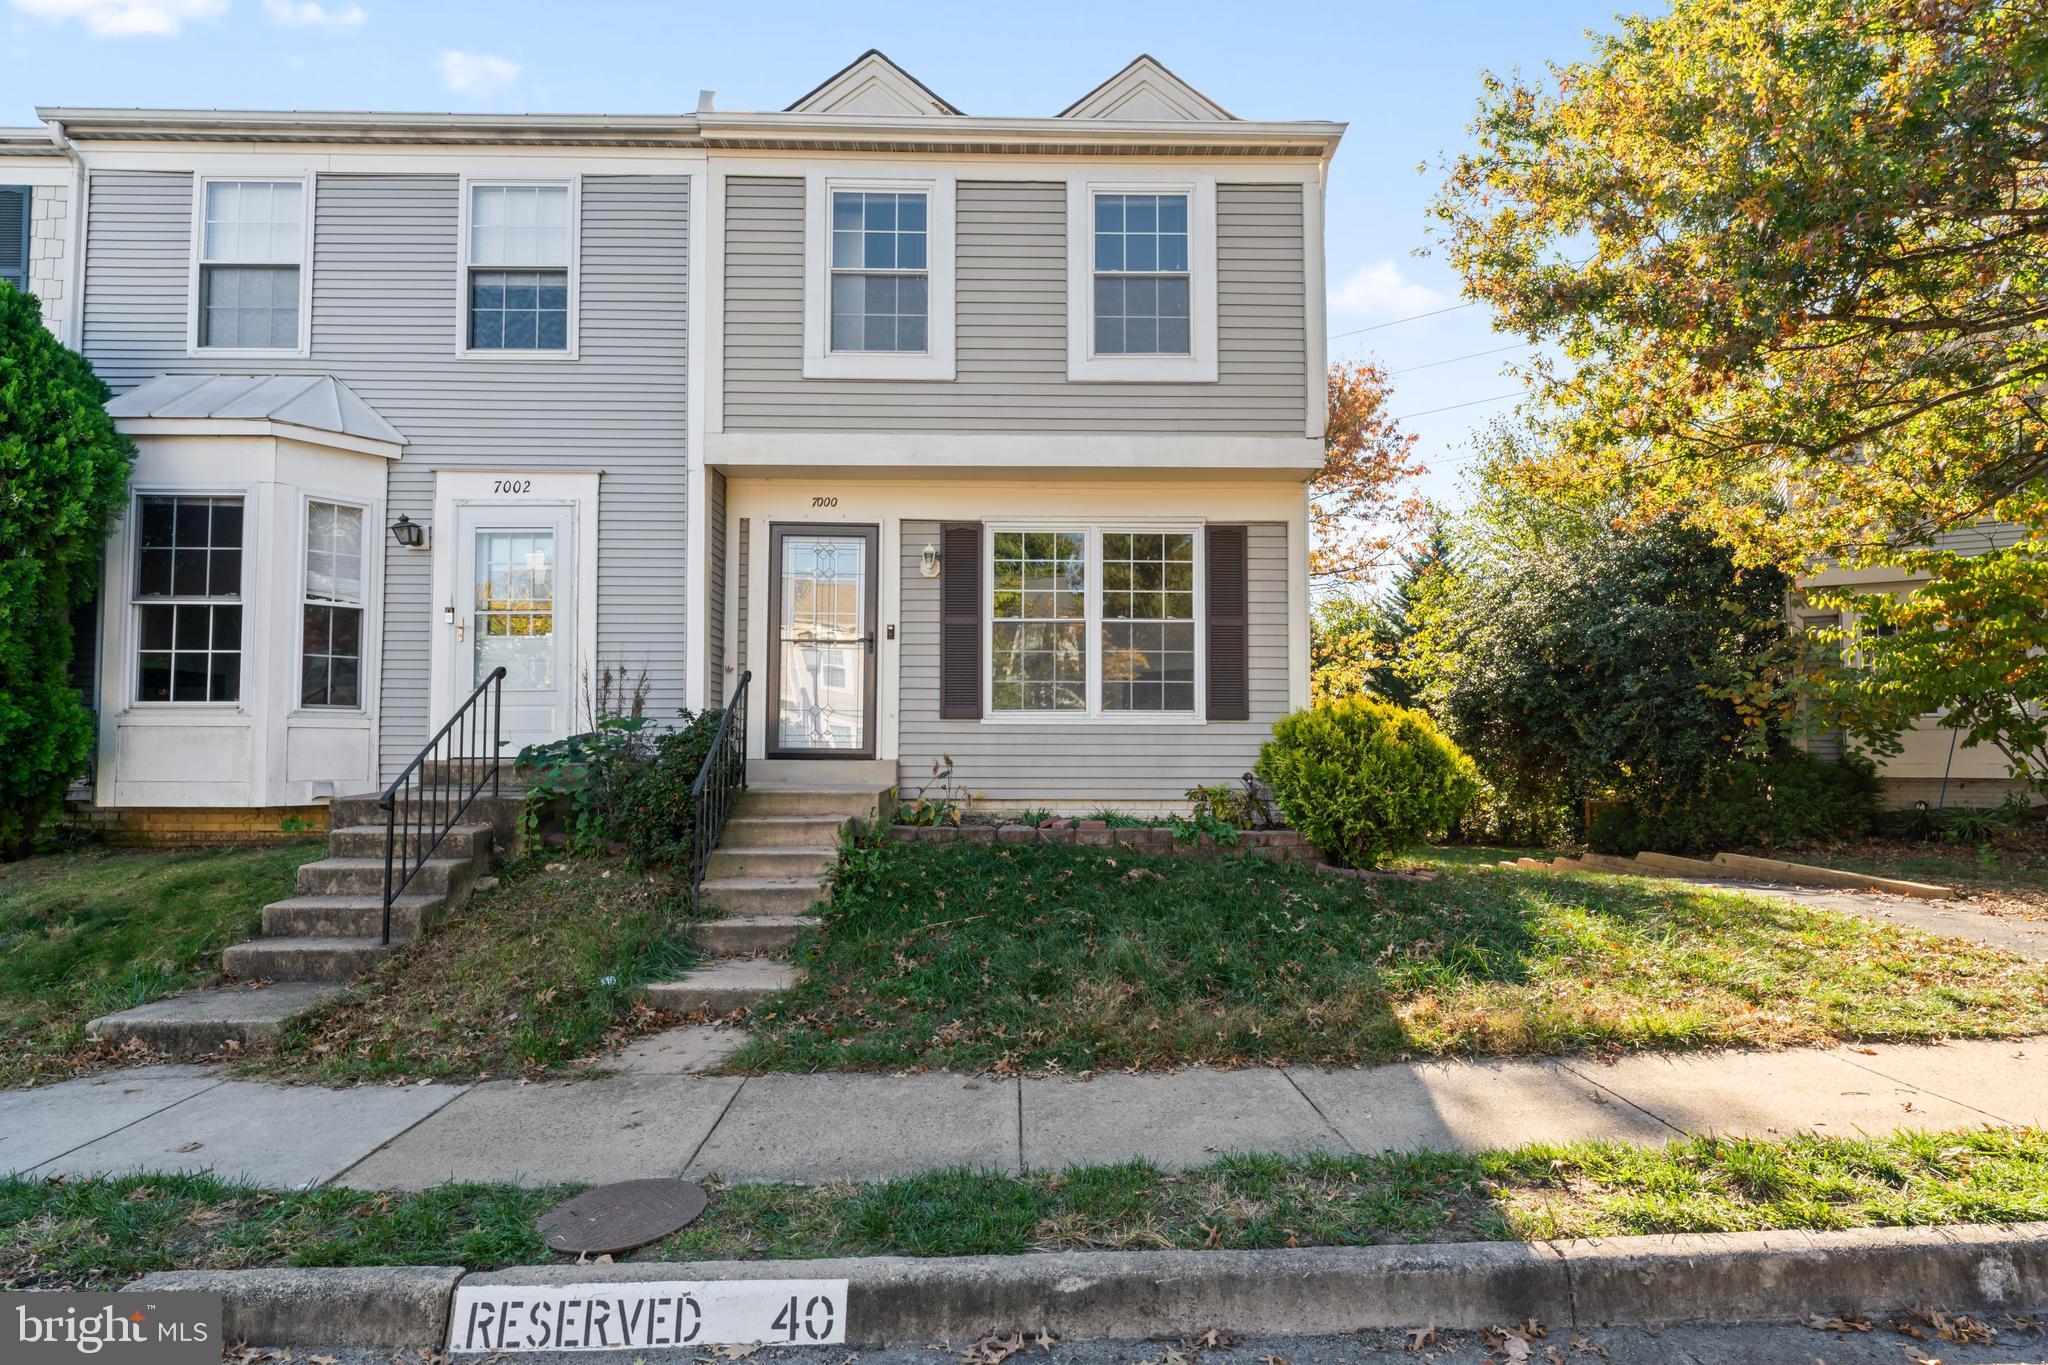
(436,788)
(719,781)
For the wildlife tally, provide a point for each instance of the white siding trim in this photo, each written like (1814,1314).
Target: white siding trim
(697,508)
(820,361)
(1199,365)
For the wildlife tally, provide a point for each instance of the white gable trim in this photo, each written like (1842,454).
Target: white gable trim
(872,85)
(1147,92)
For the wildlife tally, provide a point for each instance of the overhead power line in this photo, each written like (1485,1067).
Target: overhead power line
(1452,360)
(1453,407)
(1413,317)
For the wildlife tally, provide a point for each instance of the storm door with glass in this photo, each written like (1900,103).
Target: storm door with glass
(821,662)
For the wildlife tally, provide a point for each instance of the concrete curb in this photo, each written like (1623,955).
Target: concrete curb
(1621,1281)
(373,1306)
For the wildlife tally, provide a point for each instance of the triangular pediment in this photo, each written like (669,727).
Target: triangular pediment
(875,86)
(1147,92)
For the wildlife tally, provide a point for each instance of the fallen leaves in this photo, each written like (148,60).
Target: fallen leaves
(1422,1338)
(1959,1328)
(1513,1343)
(1847,1320)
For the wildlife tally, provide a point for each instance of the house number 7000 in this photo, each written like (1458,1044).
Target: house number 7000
(824,502)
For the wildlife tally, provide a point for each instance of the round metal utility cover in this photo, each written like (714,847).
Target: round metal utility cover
(612,1219)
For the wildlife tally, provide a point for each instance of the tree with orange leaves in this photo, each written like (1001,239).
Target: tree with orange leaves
(1363,508)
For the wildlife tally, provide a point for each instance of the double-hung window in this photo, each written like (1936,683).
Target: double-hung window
(1092,621)
(878,278)
(1141,274)
(331,649)
(188,599)
(881,286)
(251,265)
(519,268)
(1141,280)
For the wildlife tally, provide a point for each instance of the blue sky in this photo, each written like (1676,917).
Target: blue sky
(1403,75)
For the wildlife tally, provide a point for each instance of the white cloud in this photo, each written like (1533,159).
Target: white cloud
(1379,290)
(313,14)
(126,18)
(476,73)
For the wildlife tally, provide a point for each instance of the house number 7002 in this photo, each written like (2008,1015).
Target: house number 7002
(824,502)
(511,485)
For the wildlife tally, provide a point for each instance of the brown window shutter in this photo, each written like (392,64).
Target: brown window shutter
(1229,606)
(960,599)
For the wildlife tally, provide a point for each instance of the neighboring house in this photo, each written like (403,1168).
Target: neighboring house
(1934,767)
(985,437)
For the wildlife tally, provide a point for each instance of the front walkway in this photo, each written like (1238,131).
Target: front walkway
(848,1127)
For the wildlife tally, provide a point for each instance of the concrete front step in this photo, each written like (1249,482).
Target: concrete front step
(781,831)
(842,802)
(367,841)
(744,863)
(501,813)
(206,1021)
(365,876)
(762,895)
(306,959)
(722,987)
(744,935)
(352,916)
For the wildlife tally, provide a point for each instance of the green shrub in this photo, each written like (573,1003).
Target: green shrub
(1789,798)
(655,815)
(63,475)
(1364,779)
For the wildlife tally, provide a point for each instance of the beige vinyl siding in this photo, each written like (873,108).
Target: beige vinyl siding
(385,317)
(1012,324)
(1093,763)
(745,548)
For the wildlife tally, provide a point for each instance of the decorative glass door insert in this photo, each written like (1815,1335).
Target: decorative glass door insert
(825,640)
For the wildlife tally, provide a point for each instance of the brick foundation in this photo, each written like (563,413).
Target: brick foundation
(194,826)
(1278,845)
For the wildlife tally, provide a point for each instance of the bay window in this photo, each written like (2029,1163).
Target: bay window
(188,599)
(331,646)
(1087,621)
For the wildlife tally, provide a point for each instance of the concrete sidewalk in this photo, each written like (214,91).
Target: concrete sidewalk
(847,1127)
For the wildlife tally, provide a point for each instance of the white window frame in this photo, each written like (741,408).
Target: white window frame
(1198,366)
(131,662)
(937,361)
(372,547)
(200,180)
(1093,532)
(471,183)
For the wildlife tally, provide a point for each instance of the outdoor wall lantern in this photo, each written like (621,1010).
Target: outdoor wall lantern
(408,532)
(929,564)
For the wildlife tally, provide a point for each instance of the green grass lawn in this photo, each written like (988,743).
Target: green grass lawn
(86,933)
(100,1232)
(527,977)
(1039,957)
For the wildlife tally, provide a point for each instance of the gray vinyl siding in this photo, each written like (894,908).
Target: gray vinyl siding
(385,317)
(716,686)
(1097,763)
(1011,344)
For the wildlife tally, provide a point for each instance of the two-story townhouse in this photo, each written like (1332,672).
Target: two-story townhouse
(968,436)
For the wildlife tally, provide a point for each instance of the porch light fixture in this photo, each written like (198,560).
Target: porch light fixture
(928,565)
(408,532)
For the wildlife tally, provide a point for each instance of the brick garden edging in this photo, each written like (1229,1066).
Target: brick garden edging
(1276,845)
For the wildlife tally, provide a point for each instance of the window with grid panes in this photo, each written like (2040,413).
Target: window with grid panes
(1148,621)
(188,589)
(518,264)
(1141,274)
(881,285)
(1039,621)
(252,240)
(331,640)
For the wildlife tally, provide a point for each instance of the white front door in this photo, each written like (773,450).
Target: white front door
(515,605)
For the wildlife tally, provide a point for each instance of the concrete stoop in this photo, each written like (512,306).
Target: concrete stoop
(328,934)
(763,880)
